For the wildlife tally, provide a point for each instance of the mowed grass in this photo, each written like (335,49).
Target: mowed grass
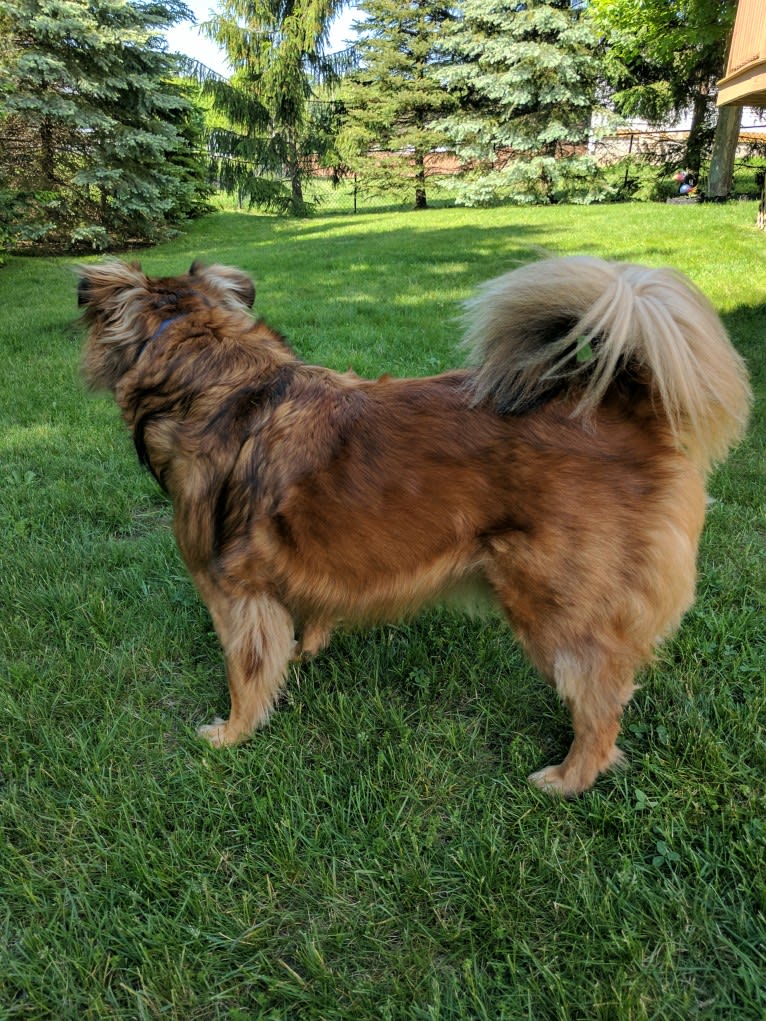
(376,852)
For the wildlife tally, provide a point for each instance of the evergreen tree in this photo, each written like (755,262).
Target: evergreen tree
(525,73)
(92,124)
(393,100)
(272,117)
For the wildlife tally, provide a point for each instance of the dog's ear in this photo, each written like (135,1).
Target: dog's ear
(113,296)
(97,284)
(233,283)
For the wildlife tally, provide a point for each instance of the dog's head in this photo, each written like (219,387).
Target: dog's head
(124,309)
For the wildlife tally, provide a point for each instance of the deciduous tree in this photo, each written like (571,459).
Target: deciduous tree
(663,58)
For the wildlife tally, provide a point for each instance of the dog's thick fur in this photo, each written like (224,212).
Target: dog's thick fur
(564,473)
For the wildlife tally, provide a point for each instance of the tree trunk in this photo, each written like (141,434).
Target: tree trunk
(47,153)
(294,173)
(695,139)
(421,202)
(296,185)
(761,219)
(724,151)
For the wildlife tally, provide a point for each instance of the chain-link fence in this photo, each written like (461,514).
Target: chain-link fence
(638,164)
(349,195)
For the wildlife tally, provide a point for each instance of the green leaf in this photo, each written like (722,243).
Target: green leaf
(584,353)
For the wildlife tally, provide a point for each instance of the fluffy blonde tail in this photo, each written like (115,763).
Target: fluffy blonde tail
(576,324)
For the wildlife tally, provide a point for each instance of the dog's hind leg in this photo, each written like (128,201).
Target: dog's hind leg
(314,637)
(596,688)
(256,633)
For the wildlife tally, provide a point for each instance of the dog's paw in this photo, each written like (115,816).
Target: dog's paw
(314,638)
(216,733)
(575,775)
(552,781)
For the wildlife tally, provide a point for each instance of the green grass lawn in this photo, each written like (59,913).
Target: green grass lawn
(376,853)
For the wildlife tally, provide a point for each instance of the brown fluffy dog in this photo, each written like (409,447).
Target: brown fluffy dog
(564,474)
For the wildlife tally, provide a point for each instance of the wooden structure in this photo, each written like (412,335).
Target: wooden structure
(744,83)
(745,78)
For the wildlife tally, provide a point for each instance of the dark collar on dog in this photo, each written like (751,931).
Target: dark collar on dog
(157,333)
(164,325)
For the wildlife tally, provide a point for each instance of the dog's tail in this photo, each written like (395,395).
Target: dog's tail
(575,325)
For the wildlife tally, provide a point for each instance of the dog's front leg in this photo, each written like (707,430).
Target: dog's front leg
(256,633)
